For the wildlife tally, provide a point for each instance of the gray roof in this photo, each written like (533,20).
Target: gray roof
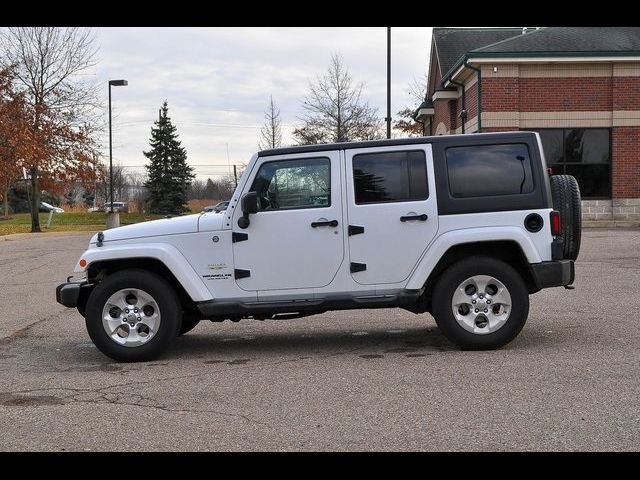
(453,43)
(578,40)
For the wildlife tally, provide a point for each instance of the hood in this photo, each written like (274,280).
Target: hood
(211,221)
(164,226)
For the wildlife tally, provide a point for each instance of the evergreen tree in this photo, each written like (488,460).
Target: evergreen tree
(169,174)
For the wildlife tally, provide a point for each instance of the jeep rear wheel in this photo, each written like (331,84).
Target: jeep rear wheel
(480,303)
(133,315)
(565,194)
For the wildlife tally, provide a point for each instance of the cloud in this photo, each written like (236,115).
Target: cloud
(218,80)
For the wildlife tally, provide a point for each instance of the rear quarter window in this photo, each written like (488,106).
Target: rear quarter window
(489,170)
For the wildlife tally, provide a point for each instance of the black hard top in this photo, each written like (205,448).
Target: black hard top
(448,139)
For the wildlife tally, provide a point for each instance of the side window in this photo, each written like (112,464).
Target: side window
(390,177)
(487,170)
(289,184)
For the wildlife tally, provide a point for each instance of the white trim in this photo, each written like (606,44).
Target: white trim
(553,59)
(444,95)
(426,112)
(617,118)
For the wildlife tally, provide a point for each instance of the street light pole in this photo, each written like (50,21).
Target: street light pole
(111,222)
(110,156)
(388,119)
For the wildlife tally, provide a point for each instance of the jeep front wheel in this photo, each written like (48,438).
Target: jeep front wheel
(133,315)
(480,303)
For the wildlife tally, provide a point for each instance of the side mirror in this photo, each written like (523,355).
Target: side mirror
(249,205)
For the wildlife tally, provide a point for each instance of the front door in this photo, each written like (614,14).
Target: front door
(295,240)
(392,211)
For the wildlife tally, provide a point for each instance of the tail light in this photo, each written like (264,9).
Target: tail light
(555,223)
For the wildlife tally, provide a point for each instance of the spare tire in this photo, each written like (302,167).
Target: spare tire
(565,193)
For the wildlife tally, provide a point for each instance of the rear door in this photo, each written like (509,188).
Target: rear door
(391,211)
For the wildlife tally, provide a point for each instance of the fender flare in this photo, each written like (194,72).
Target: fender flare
(444,242)
(167,254)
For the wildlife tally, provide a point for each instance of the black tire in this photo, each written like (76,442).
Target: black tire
(188,324)
(565,193)
(458,273)
(166,299)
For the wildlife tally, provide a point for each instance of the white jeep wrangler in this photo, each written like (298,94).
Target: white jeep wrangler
(464,227)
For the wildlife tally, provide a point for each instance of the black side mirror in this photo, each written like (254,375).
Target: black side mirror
(249,204)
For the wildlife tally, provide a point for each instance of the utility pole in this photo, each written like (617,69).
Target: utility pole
(235,174)
(388,119)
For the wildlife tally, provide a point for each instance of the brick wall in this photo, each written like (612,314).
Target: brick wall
(512,94)
(565,94)
(442,114)
(626,93)
(500,94)
(499,129)
(625,154)
(472,102)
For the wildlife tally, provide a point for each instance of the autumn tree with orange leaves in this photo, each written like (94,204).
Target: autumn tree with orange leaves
(57,145)
(14,134)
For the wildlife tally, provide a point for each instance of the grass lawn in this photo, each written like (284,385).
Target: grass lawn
(69,222)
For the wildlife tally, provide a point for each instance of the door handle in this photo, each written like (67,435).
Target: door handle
(421,218)
(332,223)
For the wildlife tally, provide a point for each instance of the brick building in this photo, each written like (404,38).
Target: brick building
(579,87)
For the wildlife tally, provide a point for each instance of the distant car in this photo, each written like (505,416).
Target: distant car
(117,207)
(47,207)
(220,207)
(95,209)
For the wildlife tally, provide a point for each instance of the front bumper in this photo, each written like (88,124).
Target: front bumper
(553,274)
(72,294)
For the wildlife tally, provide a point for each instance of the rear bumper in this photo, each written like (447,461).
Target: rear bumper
(69,294)
(553,274)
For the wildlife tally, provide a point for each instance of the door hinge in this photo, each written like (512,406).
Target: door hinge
(355,230)
(239,237)
(358,267)
(239,273)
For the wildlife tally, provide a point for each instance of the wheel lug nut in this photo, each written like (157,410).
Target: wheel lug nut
(139,319)
(476,310)
(481,297)
(473,301)
(135,310)
(485,310)
(488,302)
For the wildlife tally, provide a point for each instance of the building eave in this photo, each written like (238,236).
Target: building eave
(444,95)
(538,57)
(424,113)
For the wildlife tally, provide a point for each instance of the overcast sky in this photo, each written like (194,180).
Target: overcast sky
(218,81)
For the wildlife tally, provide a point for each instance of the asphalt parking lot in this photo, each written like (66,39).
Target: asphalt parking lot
(358,380)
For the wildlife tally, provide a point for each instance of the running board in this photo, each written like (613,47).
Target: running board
(215,308)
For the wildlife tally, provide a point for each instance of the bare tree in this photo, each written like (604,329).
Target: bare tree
(335,111)
(49,63)
(416,90)
(120,185)
(271,131)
